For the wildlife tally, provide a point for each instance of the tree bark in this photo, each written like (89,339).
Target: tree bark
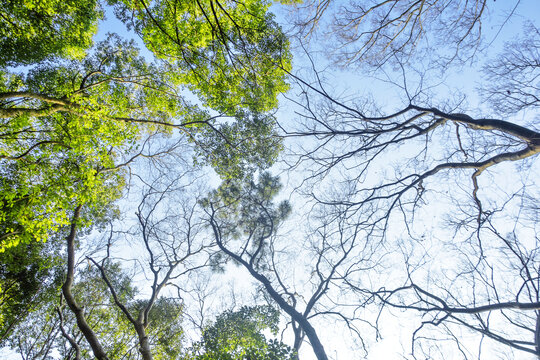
(143,342)
(78,311)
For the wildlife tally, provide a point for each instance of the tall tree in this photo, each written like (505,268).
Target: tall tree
(443,188)
(230,53)
(53,328)
(60,126)
(111,98)
(245,221)
(77,117)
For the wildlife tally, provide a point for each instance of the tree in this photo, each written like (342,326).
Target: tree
(117,316)
(244,221)
(392,192)
(53,328)
(202,39)
(106,315)
(514,74)
(76,122)
(111,98)
(377,32)
(301,271)
(425,183)
(28,277)
(32,31)
(238,335)
(234,57)
(49,166)
(171,243)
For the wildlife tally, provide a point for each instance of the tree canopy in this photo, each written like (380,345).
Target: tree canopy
(70,126)
(79,114)
(237,335)
(32,31)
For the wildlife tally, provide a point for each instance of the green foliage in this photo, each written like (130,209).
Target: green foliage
(165,332)
(28,277)
(39,335)
(231,54)
(116,333)
(73,123)
(33,30)
(240,147)
(66,127)
(108,322)
(75,118)
(235,58)
(246,207)
(237,335)
(245,212)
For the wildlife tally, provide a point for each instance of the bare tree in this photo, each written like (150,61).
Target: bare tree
(441,187)
(492,293)
(375,31)
(348,136)
(514,76)
(246,226)
(171,243)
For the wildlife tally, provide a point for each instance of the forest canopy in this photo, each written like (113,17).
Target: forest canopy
(222,179)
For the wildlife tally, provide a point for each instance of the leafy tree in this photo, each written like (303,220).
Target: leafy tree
(165,330)
(32,31)
(245,220)
(78,116)
(105,319)
(169,247)
(237,335)
(53,328)
(231,54)
(113,97)
(57,149)
(242,147)
(235,58)
(29,277)
(247,215)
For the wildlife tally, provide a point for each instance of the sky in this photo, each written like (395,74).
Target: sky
(396,327)
(352,83)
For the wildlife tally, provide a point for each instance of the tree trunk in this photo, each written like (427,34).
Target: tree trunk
(87,331)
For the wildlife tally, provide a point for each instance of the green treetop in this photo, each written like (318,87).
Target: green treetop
(33,30)
(232,54)
(238,335)
(67,127)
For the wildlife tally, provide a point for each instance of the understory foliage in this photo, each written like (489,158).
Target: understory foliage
(44,332)
(30,274)
(237,335)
